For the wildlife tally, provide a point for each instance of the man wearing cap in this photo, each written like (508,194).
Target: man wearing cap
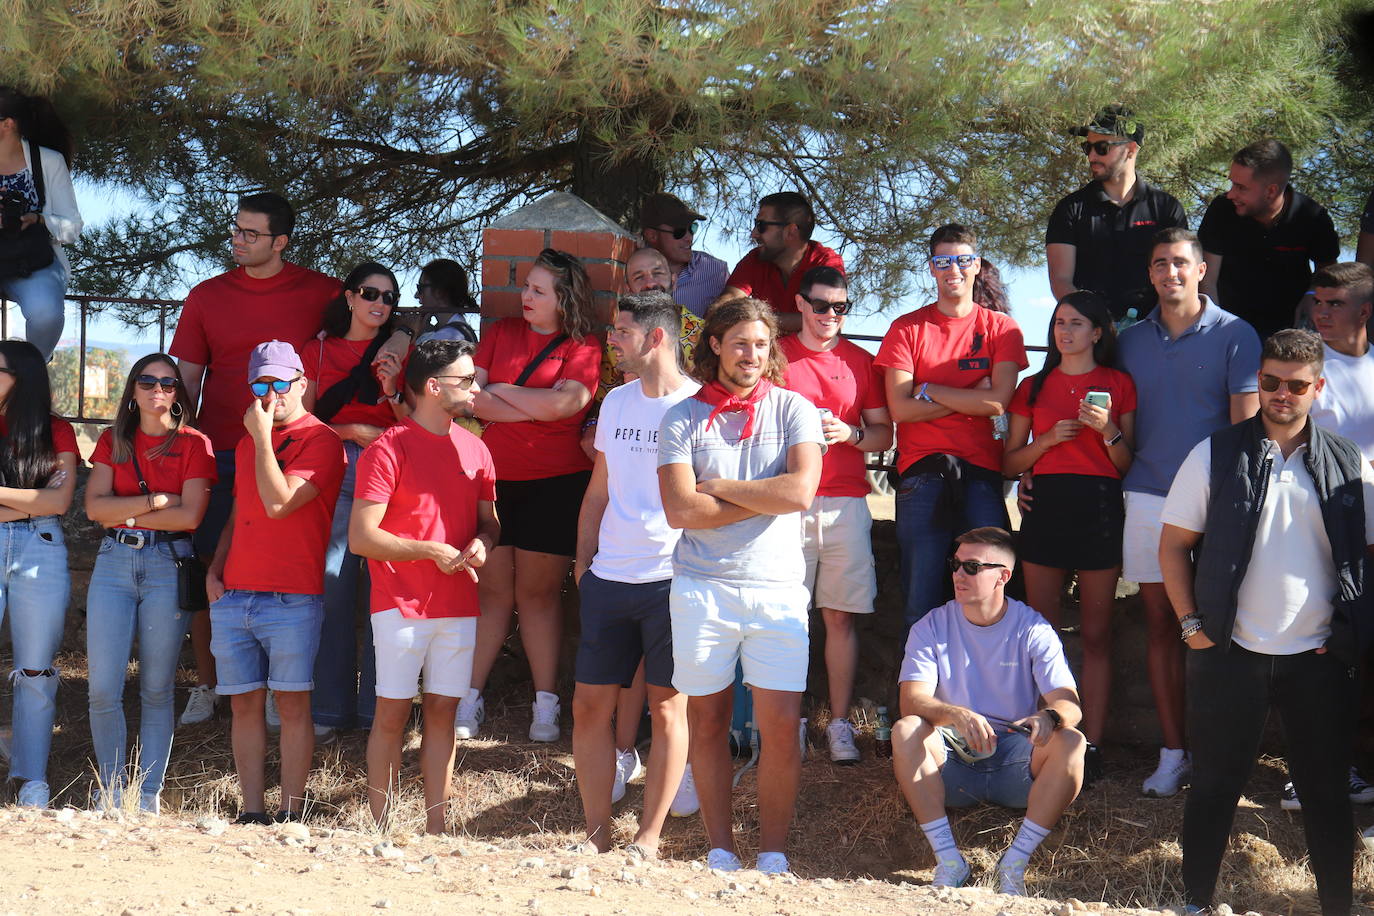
(266,580)
(1099,236)
(669,226)
(1261,238)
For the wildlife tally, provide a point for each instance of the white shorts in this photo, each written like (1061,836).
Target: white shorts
(409,649)
(716,624)
(838,546)
(1140,538)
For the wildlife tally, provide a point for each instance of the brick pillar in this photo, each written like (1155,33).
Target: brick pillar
(558,220)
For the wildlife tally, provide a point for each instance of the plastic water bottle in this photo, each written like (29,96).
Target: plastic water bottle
(882,735)
(1132,316)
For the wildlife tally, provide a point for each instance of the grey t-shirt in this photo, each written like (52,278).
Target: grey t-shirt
(764,549)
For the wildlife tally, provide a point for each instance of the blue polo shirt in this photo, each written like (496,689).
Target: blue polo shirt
(1183,387)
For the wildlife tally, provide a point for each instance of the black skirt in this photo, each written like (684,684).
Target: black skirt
(1074,522)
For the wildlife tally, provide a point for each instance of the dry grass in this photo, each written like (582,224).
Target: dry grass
(1112,845)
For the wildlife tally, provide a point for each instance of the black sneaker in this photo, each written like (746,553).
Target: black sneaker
(288,817)
(258,818)
(1092,766)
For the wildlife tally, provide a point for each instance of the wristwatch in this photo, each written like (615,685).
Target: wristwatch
(1056,719)
(397,396)
(1114,439)
(858,436)
(131,522)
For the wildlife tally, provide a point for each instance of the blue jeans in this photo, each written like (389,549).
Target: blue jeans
(339,700)
(34,588)
(265,639)
(924,546)
(134,591)
(40,296)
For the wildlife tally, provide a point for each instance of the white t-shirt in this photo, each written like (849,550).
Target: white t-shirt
(635,543)
(1284,603)
(1346,404)
(1000,670)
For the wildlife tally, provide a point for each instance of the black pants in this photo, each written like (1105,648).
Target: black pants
(1229,697)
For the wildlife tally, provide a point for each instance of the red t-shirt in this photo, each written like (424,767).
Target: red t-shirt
(1058,400)
(431,486)
(328,361)
(189,458)
(536,449)
(63,436)
(763,280)
(285,554)
(958,352)
(846,381)
(225,317)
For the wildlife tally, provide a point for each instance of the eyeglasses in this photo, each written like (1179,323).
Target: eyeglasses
(149,382)
(280,386)
(761,225)
(820,306)
(946,261)
(464,381)
(372,294)
(972,567)
(1295,385)
(250,236)
(1101,146)
(679,232)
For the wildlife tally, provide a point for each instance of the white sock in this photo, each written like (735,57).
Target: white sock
(1027,839)
(941,839)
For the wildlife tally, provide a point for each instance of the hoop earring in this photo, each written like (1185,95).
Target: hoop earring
(132,405)
(177,410)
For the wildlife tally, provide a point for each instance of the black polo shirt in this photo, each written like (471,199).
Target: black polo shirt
(1113,243)
(1266,270)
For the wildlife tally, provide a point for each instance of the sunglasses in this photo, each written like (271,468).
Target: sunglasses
(680,232)
(820,306)
(946,261)
(464,381)
(1295,385)
(280,386)
(972,567)
(372,294)
(149,382)
(761,225)
(1101,146)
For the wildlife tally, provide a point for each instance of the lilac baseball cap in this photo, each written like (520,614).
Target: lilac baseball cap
(274,359)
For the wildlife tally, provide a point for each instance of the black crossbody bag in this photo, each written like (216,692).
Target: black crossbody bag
(28,250)
(191,591)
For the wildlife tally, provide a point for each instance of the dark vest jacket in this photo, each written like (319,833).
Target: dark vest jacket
(1239,480)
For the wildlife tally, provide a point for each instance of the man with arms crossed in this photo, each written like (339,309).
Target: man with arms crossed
(266,582)
(1194,370)
(737,463)
(840,379)
(624,567)
(1274,607)
(424,516)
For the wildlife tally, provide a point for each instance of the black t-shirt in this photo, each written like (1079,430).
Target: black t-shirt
(1266,270)
(1113,243)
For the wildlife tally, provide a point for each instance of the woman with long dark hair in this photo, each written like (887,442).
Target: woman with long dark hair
(444,285)
(1081,411)
(38,213)
(149,486)
(38,456)
(537,375)
(355,388)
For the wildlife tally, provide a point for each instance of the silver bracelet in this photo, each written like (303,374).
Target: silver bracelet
(1189,626)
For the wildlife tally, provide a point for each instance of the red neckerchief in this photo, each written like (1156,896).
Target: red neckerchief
(723,401)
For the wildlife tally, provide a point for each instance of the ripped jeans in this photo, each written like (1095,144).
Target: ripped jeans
(34,588)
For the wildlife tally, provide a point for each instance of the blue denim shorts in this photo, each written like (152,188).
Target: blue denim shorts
(265,639)
(1002,779)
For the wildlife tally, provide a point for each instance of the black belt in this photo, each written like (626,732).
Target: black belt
(138,538)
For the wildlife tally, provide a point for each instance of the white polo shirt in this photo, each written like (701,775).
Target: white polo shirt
(1284,603)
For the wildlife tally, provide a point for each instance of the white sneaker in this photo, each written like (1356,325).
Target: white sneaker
(325,734)
(842,749)
(627,768)
(200,706)
(150,804)
(273,717)
(722,860)
(773,863)
(472,709)
(1367,838)
(544,726)
(1175,766)
(1011,874)
(951,872)
(33,794)
(685,802)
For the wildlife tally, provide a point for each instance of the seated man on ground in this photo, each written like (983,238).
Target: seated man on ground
(988,713)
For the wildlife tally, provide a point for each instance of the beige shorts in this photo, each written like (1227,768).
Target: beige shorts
(1140,538)
(410,651)
(838,547)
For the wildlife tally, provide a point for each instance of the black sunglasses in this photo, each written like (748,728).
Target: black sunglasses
(280,386)
(1101,146)
(1295,385)
(761,225)
(372,294)
(465,382)
(820,306)
(148,382)
(680,232)
(972,567)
